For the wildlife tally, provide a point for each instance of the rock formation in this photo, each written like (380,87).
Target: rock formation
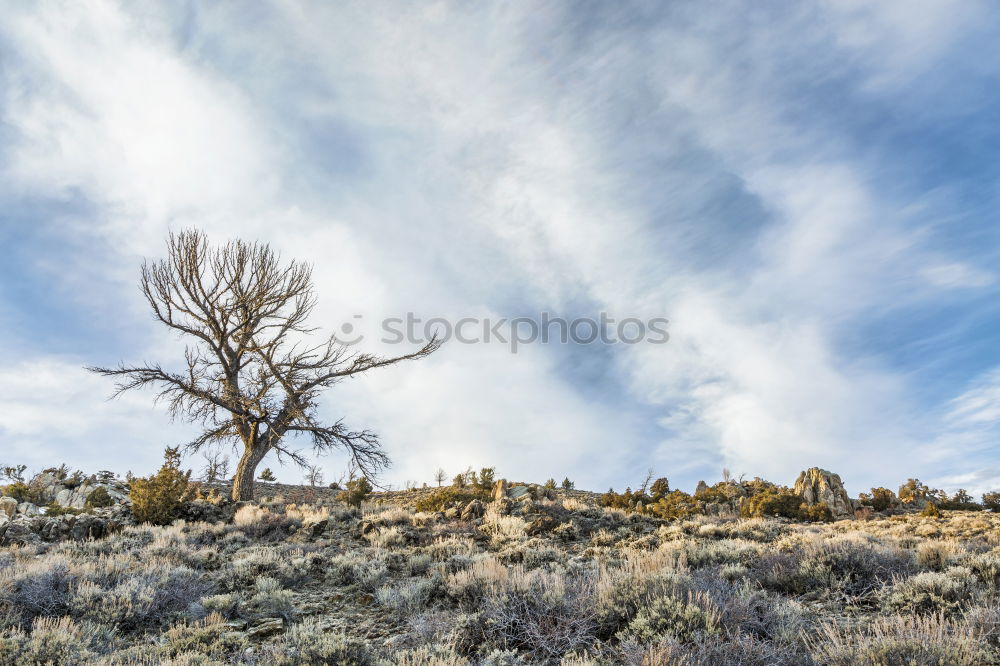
(817,485)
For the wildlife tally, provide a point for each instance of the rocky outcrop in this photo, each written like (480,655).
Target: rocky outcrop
(8,506)
(23,529)
(816,485)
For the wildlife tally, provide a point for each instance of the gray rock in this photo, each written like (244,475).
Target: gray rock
(18,533)
(64,497)
(28,509)
(8,505)
(702,487)
(519,492)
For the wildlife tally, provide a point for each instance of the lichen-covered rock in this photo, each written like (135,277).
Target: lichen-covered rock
(816,485)
(519,492)
(500,490)
(8,506)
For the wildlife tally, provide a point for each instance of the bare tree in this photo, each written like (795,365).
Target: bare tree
(216,466)
(314,475)
(251,376)
(440,476)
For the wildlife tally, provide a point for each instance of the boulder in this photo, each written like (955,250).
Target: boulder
(28,509)
(816,485)
(472,510)
(265,627)
(702,487)
(64,497)
(88,526)
(519,492)
(500,490)
(18,533)
(8,505)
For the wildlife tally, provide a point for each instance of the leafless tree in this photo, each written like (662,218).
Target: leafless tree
(251,376)
(314,475)
(440,477)
(216,466)
(645,483)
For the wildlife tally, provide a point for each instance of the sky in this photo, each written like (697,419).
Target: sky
(806,191)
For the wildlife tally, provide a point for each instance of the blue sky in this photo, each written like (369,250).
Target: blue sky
(808,194)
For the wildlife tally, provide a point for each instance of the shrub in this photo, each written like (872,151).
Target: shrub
(913,490)
(991,501)
(672,506)
(543,614)
(961,501)
(13,473)
(660,488)
(931,511)
(270,600)
(487,477)
(159,498)
(25,492)
(357,491)
(55,509)
(816,513)
(550,484)
(99,497)
(567,484)
(931,592)
(45,587)
(626,500)
(264,525)
(772,501)
(880,499)
(673,618)
(51,641)
(268,475)
(442,498)
(311,642)
(899,640)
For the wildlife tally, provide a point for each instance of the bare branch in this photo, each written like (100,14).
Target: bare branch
(250,374)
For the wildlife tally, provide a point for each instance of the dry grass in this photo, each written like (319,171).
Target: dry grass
(614,588)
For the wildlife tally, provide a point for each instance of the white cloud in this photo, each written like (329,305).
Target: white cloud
(957,276)
(489,178)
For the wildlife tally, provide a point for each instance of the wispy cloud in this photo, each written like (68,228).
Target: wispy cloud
(735,169)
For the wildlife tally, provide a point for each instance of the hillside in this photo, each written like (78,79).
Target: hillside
(549,579)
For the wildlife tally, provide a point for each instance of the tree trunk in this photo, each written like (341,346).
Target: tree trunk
(245,472)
